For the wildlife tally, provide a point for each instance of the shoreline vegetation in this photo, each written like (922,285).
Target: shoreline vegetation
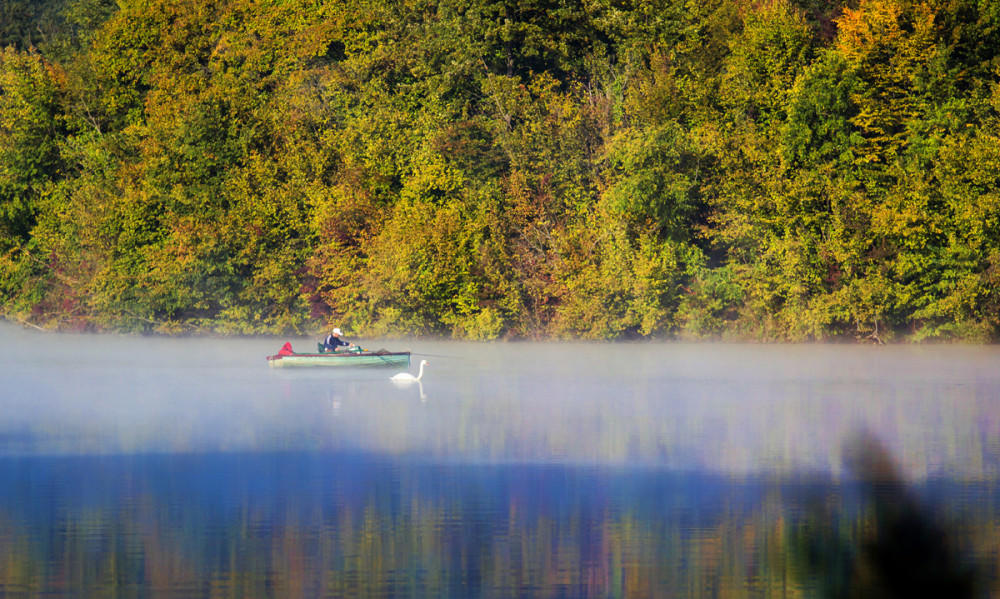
(785,170)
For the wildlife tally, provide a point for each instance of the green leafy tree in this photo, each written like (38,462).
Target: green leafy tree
(31,126)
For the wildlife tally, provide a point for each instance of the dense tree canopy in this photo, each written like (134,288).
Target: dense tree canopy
(781,170)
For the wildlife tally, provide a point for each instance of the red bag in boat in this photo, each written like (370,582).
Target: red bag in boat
(286,350)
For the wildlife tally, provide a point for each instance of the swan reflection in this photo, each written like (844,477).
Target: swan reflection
(408,383)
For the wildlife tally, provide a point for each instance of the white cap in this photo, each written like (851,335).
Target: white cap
(337,332)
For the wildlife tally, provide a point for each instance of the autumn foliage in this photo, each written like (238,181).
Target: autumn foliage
(779,170)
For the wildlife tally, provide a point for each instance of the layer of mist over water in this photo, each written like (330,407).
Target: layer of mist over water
(187,466)
(745,409)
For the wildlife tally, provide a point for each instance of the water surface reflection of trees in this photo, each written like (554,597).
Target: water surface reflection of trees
(389,529)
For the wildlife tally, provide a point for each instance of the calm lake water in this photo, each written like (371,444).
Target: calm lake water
(188,468)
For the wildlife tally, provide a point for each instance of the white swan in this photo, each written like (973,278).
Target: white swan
(406,377)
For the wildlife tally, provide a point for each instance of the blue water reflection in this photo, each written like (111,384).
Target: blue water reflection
(309,524)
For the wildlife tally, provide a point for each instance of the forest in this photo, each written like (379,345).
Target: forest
(741,170)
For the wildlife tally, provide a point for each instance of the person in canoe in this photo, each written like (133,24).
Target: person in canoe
(334,343)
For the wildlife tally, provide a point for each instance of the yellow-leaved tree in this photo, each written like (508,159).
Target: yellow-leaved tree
(888,44)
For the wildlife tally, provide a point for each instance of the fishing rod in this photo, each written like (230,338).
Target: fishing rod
(436,356)
(384,351)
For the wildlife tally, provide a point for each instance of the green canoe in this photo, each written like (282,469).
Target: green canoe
(288,359)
